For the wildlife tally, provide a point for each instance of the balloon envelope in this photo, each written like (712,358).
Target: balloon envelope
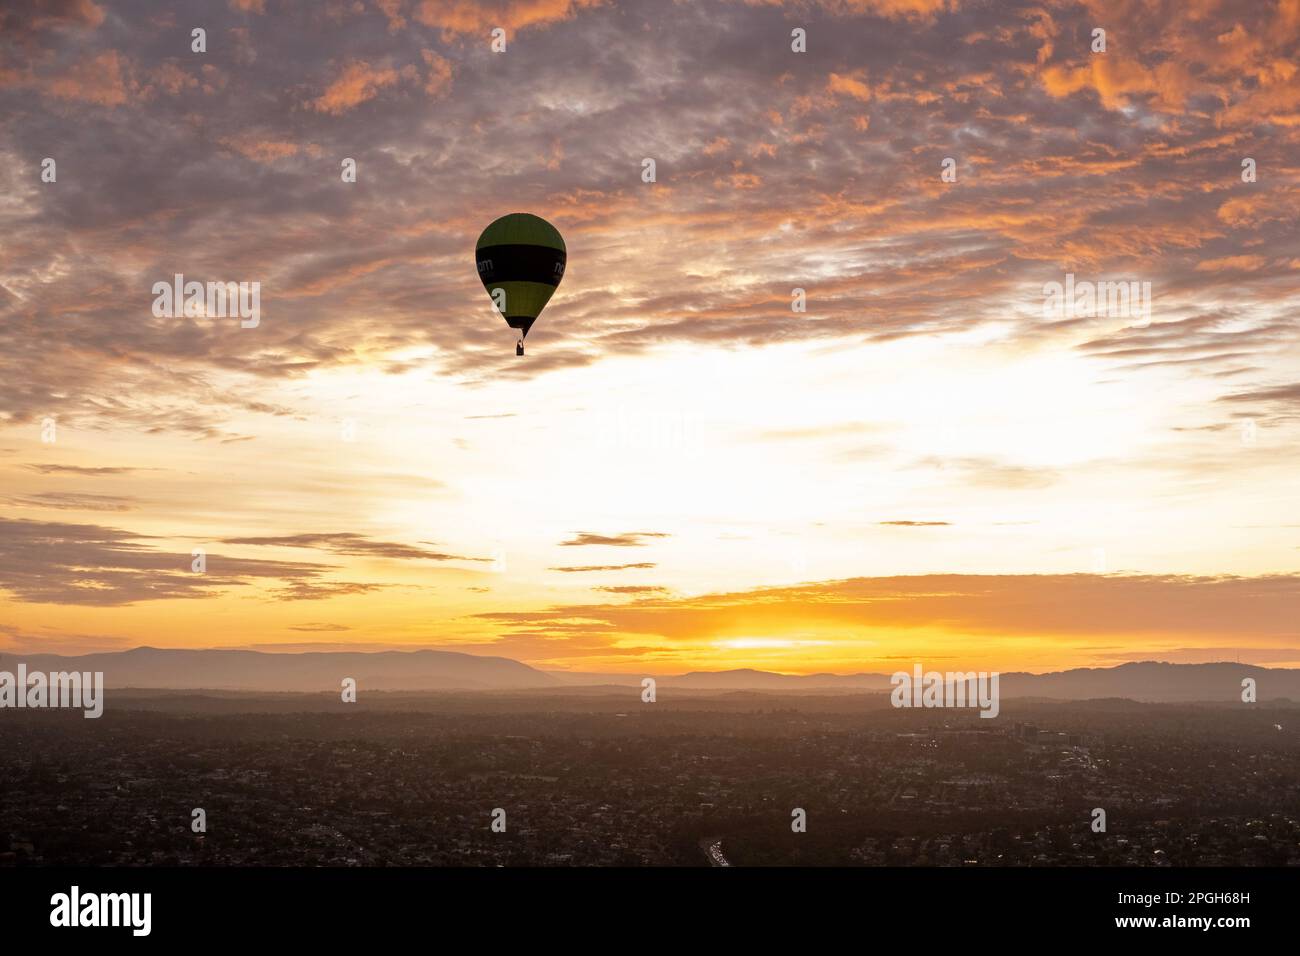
(522,255)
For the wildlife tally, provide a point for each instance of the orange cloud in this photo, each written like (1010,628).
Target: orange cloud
(173,79)
(923,10)
(72,13)
(1115,80)
(467,16)
(261,150)
(851,85)
(359,83)
(439,78)
(1247,263)
(103,80)
(392,10)
(1259,208)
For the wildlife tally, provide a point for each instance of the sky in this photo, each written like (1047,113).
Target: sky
(936,459)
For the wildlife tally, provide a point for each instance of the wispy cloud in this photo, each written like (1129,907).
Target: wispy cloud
(349,543)
(605,567)
(85,470)
(57,563)
(628,539)
(71,501)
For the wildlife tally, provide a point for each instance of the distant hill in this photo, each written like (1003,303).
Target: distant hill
(240,670)
(741,679)
(154,667)
(1155,681)
(1145,681)
(747,679)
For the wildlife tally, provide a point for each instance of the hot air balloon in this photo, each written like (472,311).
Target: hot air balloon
(521,261)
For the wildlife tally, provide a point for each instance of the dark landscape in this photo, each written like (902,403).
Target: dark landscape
(407,779)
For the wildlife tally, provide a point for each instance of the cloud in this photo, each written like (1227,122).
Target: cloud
(1232,263)
(23,20)
(456,17)
(351,544)
(604,567)
(854,86)
(173,80)
(438,79)
(262,149)
(884,252)
(86,470)
(1223,607)
(1278,394)
(72,501)
(321,590)
(917,524)
(392,10)
(991,473)
(358,83)
(105,79)
(80,564)
(913,10)
(628,539)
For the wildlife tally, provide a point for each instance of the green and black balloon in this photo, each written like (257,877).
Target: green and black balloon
(522,255)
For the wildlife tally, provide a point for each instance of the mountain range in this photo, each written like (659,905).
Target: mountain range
(222,669)
(437,670)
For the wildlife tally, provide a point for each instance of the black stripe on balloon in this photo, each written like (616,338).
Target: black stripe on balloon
(520,263)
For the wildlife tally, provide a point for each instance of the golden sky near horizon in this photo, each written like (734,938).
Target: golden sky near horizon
(928,464)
